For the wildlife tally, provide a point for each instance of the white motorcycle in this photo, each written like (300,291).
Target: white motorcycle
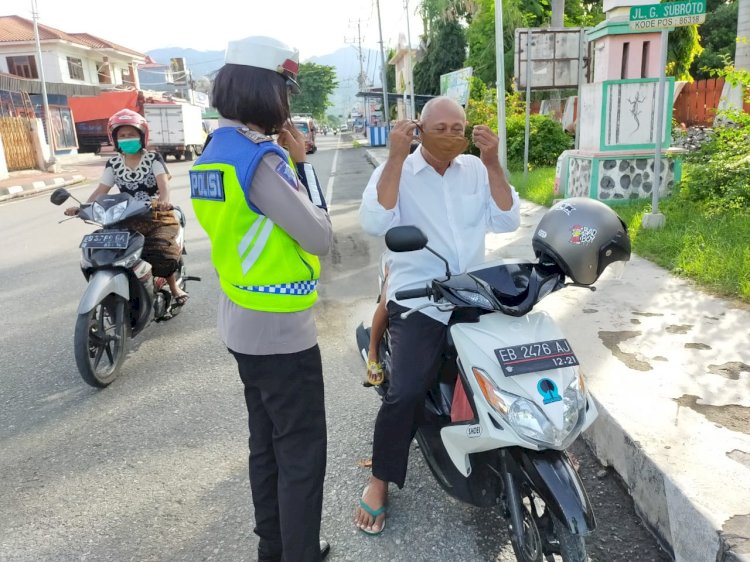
(509,398)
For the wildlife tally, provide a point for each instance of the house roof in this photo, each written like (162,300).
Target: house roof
(17,29)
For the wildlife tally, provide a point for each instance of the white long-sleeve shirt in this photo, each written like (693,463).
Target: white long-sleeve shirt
(455,211)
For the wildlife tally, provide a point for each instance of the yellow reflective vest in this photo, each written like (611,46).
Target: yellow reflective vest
(260,266)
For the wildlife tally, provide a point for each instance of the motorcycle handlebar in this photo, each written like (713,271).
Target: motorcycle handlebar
(413,293)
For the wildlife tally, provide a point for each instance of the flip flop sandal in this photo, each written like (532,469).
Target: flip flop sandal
(375,513)
(181,300)
(375,374)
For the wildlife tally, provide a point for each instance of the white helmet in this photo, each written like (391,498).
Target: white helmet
(268,53)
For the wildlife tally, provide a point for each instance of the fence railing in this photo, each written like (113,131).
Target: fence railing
(698,101)
(17,143)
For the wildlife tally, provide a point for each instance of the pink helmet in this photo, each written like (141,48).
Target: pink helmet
(130,118)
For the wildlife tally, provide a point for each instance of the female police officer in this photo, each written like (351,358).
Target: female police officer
(268,223)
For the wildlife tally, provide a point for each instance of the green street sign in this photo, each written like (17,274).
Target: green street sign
(671,14)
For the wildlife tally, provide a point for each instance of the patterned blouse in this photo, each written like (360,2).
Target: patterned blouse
(140,182)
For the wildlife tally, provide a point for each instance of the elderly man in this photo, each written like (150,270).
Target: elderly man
(455,199)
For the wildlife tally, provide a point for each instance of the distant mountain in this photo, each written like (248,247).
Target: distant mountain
(344,60)
(347,65)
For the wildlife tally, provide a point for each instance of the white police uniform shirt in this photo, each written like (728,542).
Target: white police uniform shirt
(455,211)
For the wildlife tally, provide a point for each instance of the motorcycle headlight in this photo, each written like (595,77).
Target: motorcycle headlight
(574,402)
(530,422)
(114,213)
(98,213)
(528,419)
(495,397)
(474,299)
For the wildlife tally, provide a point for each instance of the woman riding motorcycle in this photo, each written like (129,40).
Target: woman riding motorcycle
(143,174)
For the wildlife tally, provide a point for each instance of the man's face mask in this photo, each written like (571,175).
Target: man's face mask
(443,146)
(129,146)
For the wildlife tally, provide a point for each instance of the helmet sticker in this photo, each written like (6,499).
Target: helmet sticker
(566,208)
(541,233)
(582,235)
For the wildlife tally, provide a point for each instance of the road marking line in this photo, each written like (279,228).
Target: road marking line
(329,185)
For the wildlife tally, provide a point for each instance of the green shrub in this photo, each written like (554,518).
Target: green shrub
(719,177)
(547,139)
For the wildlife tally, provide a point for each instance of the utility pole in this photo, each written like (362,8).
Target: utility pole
(411,67)
(500,84)
(52,163)
(386,109)
(362,78)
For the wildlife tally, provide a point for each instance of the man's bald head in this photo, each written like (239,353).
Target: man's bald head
(442,109)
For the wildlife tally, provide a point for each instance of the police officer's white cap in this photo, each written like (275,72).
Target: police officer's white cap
(264,52)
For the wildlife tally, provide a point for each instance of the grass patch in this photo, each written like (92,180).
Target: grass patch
(711,249)
(537,186)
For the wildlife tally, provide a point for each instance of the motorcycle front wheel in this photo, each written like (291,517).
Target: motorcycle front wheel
(100,341)
(546,538)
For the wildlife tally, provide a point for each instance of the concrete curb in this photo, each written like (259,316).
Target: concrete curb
(685,529)
(39,186)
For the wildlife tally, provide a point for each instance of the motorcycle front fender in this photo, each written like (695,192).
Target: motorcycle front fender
(557,483)
(102,283)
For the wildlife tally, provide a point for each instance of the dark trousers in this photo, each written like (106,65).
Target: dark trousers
(417,344)
(286,417)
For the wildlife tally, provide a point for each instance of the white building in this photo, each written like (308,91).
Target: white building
(67,58)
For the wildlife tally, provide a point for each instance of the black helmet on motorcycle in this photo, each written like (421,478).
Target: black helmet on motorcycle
(582,236)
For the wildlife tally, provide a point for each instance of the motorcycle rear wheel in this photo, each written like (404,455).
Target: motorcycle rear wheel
(100,341)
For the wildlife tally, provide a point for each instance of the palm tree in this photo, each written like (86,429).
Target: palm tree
(434,12)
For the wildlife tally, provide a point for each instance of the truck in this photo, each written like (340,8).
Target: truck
(91,114)
(175,129)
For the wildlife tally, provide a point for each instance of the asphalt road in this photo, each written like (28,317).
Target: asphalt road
(154,467)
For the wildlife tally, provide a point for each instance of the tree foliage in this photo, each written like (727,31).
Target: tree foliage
(317,82)
(434,13)
(481,39)
(683,46)
(718,35)
(445,53)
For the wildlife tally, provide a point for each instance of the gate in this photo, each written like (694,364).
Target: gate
(17,143)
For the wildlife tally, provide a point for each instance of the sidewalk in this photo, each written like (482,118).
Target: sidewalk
(83,168)
(669,368)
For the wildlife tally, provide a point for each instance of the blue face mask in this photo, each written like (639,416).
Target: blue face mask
(129,146)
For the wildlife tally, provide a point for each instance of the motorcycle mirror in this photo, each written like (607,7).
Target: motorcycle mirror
(405,239)
(59,196)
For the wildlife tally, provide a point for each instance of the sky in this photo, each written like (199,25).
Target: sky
(315,28)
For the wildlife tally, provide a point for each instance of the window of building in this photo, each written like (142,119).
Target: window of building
(22,66)
(127,75)
(104,71)
(644,59)
(75,69)
(625,54)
